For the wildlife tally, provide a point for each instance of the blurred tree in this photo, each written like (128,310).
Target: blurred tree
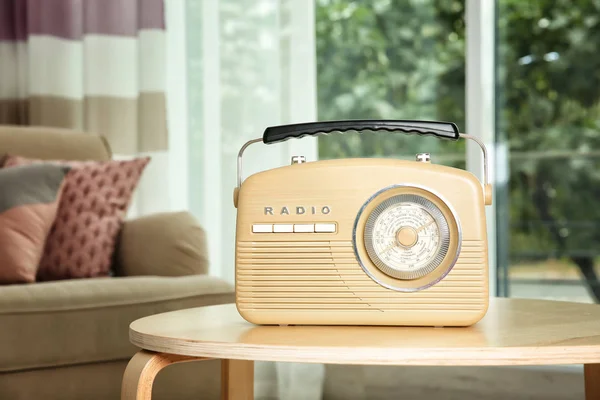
(390,59)
(548,76)
(405,59)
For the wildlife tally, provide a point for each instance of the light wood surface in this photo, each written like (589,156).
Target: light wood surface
(237,380)
(141,371)
(513,332)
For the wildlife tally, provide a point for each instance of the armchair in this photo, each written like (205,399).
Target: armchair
(69,339)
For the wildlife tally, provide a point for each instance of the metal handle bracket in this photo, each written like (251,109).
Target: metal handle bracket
(462,135)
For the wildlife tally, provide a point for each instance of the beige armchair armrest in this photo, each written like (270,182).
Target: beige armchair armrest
(165,244)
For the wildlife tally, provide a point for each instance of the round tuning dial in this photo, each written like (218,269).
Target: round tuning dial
(408,234)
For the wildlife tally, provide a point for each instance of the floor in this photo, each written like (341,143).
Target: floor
(425,383)
(450,383)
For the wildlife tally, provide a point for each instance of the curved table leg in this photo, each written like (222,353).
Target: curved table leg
(237,380)
(591,374)
(142,369)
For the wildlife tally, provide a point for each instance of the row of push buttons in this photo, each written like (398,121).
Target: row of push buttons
(294,228)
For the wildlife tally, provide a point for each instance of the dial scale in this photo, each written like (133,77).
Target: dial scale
(406,236)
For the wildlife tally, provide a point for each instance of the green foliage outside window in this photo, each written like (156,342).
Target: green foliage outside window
(402,59)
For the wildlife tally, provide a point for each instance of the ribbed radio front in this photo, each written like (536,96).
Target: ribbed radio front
(325,276)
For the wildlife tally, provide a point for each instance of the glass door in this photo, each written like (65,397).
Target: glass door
(548,120)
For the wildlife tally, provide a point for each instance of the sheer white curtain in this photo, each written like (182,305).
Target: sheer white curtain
(236,67)
(250,64)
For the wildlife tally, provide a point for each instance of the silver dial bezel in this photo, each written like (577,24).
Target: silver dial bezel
(431,209)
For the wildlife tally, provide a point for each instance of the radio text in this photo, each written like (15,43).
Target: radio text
(298,210)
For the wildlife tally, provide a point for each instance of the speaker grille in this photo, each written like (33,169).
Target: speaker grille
(324,275)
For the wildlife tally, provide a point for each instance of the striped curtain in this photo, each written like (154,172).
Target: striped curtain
(91,65)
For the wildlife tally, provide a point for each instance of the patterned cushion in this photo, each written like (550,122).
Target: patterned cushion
(29,198)
(92,208)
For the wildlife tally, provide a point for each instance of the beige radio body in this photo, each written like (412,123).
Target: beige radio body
(300,258)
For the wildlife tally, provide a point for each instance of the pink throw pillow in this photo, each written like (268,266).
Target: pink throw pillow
(29,197)
(93,205)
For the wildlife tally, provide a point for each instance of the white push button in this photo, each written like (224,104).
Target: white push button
(325,228)
(262,228)
(304,228)
(283,228)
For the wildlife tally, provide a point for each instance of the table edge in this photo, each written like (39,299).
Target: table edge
(475,356)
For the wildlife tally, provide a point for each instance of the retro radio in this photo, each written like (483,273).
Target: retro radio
(362,241)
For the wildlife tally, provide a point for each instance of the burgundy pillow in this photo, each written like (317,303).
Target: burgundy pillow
(29,198)
(93,205)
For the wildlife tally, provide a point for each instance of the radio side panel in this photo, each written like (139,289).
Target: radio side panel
(314,277)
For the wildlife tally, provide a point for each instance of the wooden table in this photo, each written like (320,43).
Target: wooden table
(514,332)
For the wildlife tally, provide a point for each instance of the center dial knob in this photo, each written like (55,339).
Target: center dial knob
(407,236)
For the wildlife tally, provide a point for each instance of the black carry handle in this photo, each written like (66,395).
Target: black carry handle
(444,130)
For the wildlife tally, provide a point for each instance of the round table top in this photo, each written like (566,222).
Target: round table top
(513,332)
